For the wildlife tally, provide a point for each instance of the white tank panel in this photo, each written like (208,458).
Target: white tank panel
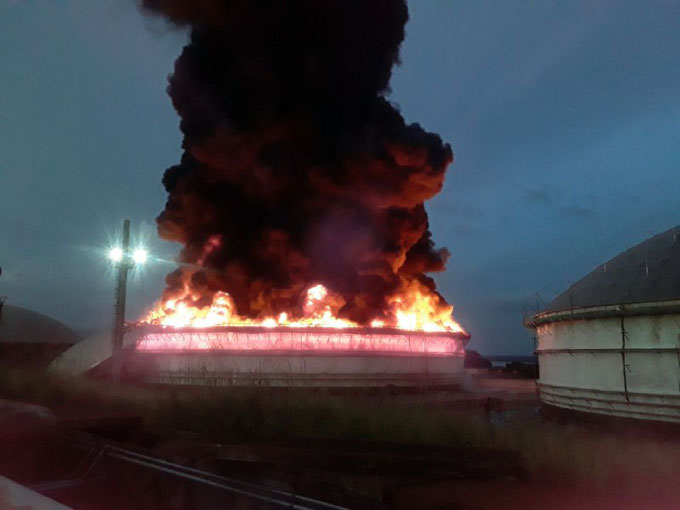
(627,365)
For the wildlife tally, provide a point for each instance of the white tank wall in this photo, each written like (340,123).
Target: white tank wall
(582,365)
(294,369)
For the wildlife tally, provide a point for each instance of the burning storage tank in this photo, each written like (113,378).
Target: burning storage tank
(610,344)
(284,356)
(180,344)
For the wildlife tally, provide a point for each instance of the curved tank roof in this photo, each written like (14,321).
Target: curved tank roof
(647,272)
(20,325)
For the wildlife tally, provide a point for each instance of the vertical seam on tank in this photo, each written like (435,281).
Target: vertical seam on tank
(677,352)
(623,358)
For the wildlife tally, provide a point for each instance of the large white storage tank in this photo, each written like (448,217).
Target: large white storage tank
(610,344)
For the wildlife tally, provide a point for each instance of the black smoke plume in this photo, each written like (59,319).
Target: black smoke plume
(297,169)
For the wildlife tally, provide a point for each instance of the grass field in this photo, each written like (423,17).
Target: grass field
(564,453)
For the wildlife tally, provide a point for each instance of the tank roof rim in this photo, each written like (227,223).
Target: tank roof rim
(662,307)
(459,335)
(355,353)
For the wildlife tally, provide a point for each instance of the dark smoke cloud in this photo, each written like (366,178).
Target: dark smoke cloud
(296,168)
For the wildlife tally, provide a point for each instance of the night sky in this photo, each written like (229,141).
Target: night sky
(563,116)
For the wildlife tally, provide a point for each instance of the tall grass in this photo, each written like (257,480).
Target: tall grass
(565,453)
(245,414)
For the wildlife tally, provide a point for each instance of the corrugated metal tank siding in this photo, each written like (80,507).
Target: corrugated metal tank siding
(624,366)
(229,369)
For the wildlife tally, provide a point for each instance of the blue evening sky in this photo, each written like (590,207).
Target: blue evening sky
(564,118)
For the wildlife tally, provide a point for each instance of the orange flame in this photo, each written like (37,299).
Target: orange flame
(418,309)
(414,308)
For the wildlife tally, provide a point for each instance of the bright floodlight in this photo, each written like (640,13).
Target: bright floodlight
(116,254)
(140,255)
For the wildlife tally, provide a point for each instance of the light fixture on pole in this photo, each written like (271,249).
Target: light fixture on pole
(123,260)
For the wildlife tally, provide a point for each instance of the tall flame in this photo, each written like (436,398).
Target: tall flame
(412,309)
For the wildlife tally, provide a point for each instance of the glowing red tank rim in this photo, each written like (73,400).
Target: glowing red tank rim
(308,340)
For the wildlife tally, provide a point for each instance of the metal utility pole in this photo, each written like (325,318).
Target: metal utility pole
(119,310)
(2,299)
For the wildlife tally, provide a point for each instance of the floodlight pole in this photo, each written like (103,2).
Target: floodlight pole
(119,310)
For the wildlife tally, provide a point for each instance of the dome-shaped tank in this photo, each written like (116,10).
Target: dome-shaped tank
(31,339)
(610,344)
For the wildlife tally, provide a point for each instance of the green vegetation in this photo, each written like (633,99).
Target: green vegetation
(565,453)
